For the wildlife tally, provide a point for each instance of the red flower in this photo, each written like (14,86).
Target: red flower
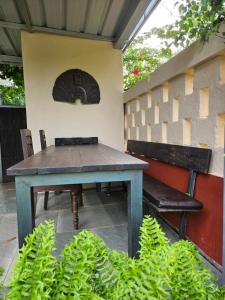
(135,72)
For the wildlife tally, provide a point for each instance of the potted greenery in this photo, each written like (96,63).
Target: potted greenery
(87,269)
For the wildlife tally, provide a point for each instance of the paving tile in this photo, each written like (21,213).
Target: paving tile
(8,225)
(55,202)
(115,237)
(8,241)
(90,198)
(8,251)
(93,217)
(7,199)
(93,198)
(8,273)
(8,205)
(62,239)
(46,215)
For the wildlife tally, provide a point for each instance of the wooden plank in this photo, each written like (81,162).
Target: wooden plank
(192,158)
(82,158)
(166,197)
(73,141)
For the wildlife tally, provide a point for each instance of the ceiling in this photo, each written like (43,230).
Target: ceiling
(109,20)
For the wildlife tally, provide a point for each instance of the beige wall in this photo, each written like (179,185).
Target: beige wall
(45,57)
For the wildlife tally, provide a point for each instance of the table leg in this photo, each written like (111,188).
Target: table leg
(25,219)
(135,213)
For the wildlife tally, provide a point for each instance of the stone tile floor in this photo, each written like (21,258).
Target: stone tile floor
(104,215)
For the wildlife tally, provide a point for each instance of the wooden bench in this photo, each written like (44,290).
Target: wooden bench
(162,197)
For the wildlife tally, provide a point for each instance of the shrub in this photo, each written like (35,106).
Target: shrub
(34,274)
(1,285)
(87,269)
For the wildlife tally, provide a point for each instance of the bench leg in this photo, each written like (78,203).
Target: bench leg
(183,226)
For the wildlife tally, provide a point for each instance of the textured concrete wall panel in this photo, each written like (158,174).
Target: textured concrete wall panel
(189,109)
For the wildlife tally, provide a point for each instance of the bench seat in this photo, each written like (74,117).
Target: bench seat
(162,197)
(166,198)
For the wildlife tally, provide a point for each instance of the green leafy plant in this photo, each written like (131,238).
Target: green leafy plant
(34,273)
(140,60)
(198,19)
(1,285)
(76,271)
(87,269)
(14,94)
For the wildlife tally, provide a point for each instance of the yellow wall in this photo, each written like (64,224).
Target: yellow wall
(45,57)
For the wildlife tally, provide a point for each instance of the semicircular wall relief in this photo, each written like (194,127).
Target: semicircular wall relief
(76,84)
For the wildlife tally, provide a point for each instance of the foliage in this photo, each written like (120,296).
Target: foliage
(152,237)
(12,95)
(34,273)
(1,285)
(141,61)
(12,72)
(1,273)
(87,269)
(198,19)
(78,267)
(167,271)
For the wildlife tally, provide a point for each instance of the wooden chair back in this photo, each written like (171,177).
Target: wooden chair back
(27,144)
(73,141)
(42,139)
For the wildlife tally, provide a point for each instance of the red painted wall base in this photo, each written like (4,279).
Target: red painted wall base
(205,227)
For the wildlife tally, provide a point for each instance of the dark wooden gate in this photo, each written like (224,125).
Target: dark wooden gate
(12,119)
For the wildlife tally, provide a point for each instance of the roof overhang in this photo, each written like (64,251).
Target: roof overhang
(117,21)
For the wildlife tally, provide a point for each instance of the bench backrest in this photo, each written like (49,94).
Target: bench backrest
(191,158)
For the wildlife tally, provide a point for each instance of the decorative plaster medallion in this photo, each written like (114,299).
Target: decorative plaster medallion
(76,84)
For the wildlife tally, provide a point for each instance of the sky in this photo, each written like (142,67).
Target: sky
(163,14)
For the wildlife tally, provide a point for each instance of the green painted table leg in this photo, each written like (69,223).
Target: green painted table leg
(24,210)
(135,213)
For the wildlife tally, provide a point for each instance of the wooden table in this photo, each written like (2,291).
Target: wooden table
(74,165)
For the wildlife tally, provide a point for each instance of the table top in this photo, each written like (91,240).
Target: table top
(76,159)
